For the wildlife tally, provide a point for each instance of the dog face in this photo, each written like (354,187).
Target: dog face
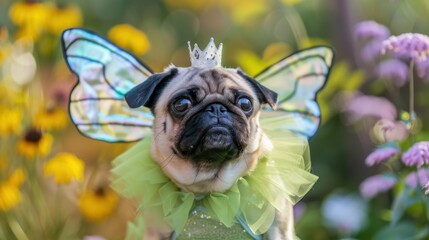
(206,127)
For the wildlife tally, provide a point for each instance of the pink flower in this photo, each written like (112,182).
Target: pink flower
(362,105)
(389,131)
(395,70)
(418,178)
(370,29)
(417,155)
(374,185)
(381,155)
(413,46)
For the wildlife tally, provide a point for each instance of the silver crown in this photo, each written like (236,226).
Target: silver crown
(210,57)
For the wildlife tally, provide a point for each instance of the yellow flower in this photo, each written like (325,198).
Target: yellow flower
(51,119)
(65,17)
(10,120)
(16,178)
(96,205)
(9,196)
(31,16)
(35,144)
(244,10)
(27,34)
(129,38)
(253,64)
(64,167)
(9,190)
(250,62)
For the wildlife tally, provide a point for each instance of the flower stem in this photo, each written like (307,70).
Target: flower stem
(17,229)
(411,101)
(296,24)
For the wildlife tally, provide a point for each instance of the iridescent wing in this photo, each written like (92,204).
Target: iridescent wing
(105,73)
(297,79)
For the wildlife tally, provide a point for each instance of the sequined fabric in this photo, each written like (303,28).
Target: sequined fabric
(201,226)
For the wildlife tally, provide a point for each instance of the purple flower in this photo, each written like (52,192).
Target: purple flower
(374,185)
(389,131)
(413,46)
(394,70)
(372,50)
(362,105)
(418,155)
(370,29)
(422,69)
(418,178)
(381,155)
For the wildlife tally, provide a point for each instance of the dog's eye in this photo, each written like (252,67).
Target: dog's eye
(182,104)
(245,104)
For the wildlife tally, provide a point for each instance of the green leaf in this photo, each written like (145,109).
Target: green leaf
(377,87)
(402,201)
(401,231)
(354,81)
(422,234)
(425,201)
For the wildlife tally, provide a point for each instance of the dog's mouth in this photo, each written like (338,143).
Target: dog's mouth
(211,147)
(217,145)
(217,138)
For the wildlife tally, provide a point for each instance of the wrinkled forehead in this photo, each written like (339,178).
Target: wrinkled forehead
(214,80)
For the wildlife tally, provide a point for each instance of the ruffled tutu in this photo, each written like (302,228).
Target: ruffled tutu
(253,199)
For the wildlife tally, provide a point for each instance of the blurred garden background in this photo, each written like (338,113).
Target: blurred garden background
(370,152)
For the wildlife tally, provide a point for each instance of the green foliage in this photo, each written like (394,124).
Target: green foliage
(402,231)
(406,198)
(342,79)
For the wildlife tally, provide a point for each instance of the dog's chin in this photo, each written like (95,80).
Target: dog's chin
(215,146)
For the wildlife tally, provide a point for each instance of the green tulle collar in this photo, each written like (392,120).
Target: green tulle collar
(282,174)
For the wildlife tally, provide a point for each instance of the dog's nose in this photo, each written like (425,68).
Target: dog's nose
(216,109)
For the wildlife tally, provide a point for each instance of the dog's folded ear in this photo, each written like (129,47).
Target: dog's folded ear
(265,94)
(147,92)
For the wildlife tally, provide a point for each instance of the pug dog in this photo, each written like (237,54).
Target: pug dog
(206,138)
(207,132)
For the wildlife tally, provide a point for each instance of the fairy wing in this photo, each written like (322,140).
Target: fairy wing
(297,79)
(105,72)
